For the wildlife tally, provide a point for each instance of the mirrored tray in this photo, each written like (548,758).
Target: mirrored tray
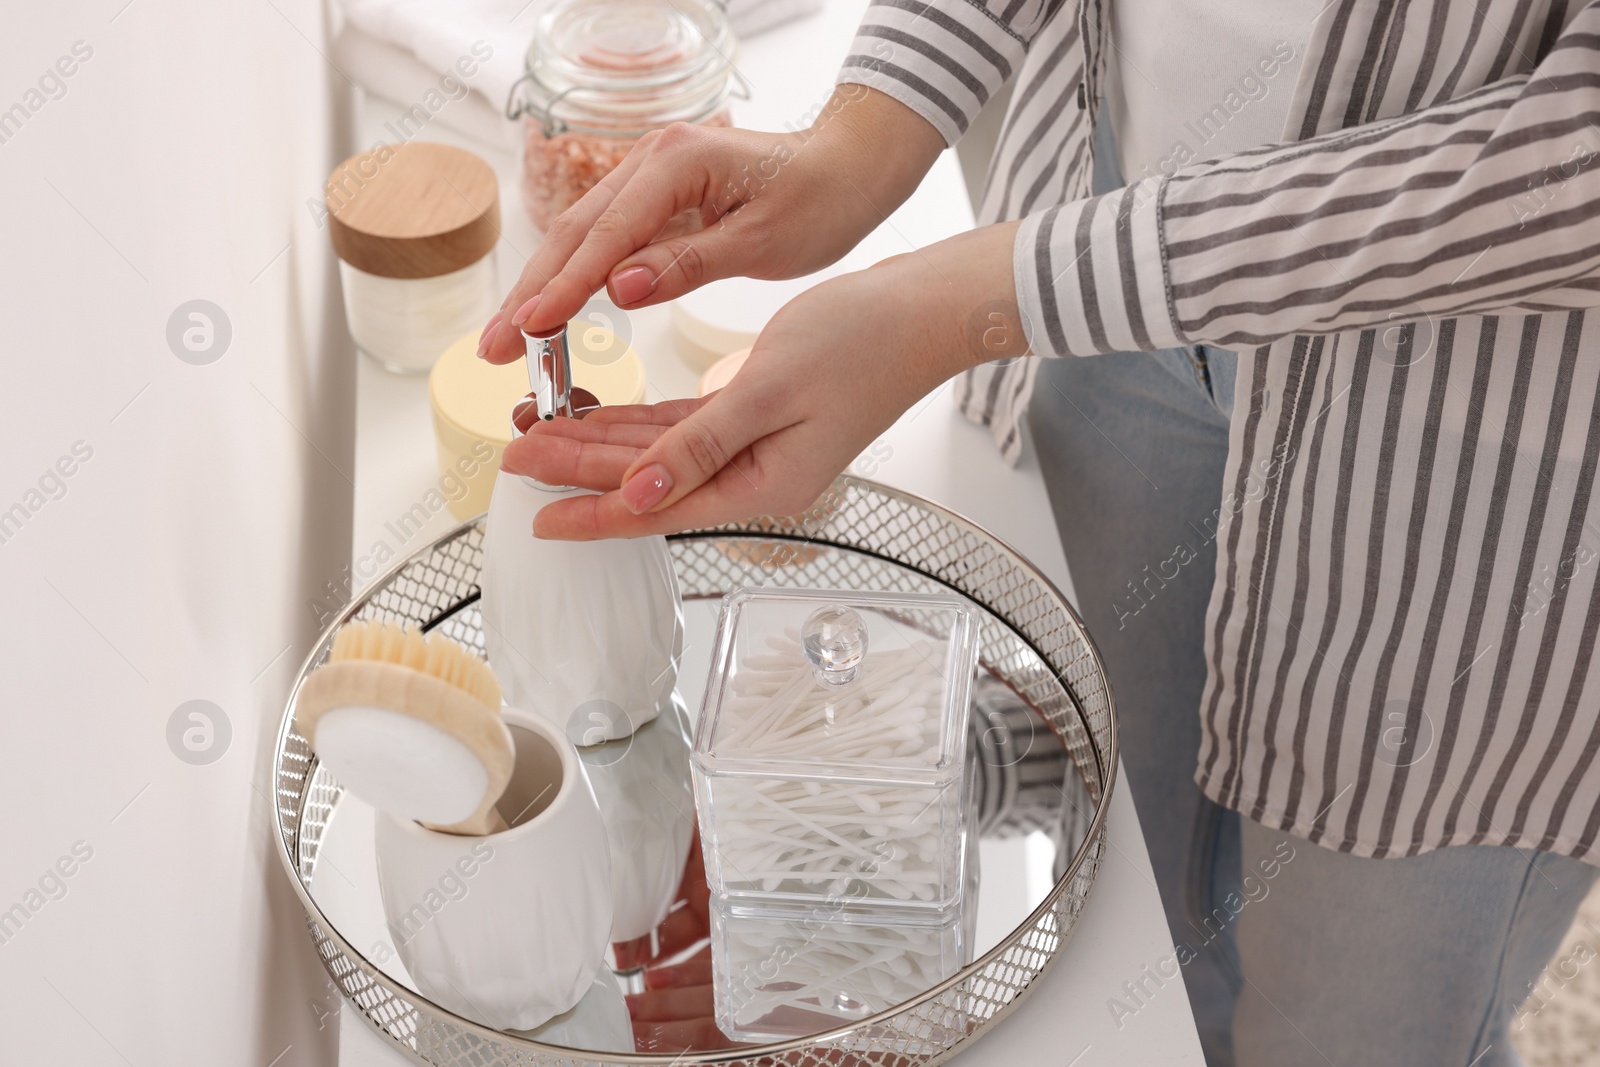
(1042,759)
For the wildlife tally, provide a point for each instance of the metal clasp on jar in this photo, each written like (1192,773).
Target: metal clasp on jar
(516,107)
(519,104)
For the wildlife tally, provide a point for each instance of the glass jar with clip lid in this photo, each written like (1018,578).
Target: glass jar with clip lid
(603,73)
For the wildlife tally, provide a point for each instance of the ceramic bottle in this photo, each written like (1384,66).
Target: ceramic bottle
(588,634)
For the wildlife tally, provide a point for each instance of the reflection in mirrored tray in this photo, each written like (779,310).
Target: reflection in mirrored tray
(711,976)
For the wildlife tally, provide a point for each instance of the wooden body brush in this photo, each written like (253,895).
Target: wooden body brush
(411,725)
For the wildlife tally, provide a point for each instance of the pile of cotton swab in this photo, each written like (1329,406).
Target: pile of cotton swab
(831,834)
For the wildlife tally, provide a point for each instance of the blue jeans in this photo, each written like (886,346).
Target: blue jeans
(1291,954)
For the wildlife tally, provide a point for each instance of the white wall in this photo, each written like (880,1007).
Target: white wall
(176,563)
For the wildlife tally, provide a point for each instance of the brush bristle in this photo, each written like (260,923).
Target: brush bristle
(435,654)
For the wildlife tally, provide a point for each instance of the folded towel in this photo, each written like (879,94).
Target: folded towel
(411,96)
(491,36)
(442,33)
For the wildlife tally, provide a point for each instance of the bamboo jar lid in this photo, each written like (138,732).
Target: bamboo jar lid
(415,210)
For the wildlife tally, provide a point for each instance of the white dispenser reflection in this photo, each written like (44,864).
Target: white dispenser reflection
(831,782)
(588,634)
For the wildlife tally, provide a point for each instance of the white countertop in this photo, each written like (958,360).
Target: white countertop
(932,451)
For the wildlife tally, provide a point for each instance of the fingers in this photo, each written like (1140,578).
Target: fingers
(696,970)
(592,518)
(669,179)
(629,434)
(698,446)
(557,460)
(744,488)
(487,335)
(592,452)
(695,450)
(663,1005)
(666,413)
(502,340)
(672,266)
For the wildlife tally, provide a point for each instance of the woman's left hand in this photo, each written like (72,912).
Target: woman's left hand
(833,370)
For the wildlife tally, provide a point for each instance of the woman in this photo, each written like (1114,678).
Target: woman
(1399,519)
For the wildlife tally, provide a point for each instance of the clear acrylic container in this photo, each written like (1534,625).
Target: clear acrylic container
(778,978)
(830,755)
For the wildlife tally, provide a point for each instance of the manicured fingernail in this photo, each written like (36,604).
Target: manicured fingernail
(632,285)
(647,488)
(486,339)
(525,312)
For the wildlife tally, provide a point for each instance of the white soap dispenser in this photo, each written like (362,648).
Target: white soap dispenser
(588,634)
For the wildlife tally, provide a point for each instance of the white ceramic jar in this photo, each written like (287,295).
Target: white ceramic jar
(415,227)
(525,943)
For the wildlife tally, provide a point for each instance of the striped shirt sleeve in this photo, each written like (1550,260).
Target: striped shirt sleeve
(943,59)
(1483,204)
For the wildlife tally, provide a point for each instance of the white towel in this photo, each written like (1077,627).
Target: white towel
(401,81)
(441,33)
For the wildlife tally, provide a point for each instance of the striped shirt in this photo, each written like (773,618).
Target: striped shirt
(1405,610)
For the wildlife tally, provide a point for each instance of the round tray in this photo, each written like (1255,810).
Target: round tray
(1032,640)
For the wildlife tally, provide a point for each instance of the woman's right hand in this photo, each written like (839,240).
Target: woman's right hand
(691,204)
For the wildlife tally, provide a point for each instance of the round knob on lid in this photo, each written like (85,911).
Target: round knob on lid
(835,640)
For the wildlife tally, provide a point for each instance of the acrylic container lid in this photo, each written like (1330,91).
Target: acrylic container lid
(834,641)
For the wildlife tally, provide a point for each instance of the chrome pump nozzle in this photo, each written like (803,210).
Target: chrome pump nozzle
(550,373)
